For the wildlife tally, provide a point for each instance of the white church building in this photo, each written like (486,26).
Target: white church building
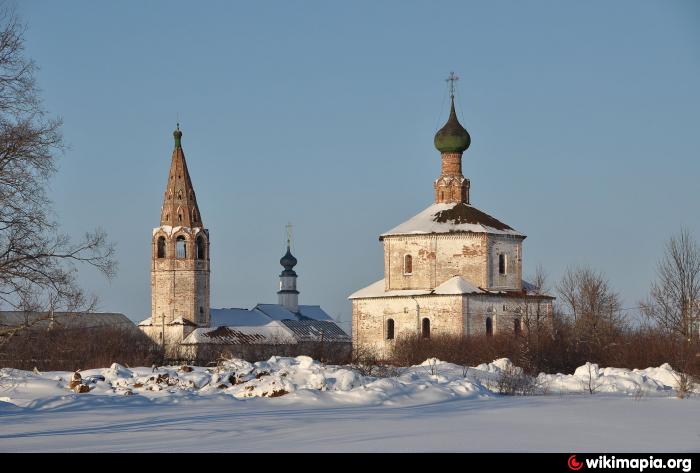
(450,270)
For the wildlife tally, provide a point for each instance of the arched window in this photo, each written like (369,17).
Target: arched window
(181,247)
(161,247)
(516,326)
(425,328)
(390,329)
(201,249)
(502,264)
(179,217)
(408,264)
(489,327)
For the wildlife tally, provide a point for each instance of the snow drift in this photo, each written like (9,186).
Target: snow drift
(303,380)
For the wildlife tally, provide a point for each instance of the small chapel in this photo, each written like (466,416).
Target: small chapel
(181,319)
(452,269)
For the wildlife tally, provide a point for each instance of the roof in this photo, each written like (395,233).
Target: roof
(179,202)
(452,218)
(267,324)
(272,333)
(452,137)
(316,330)
(453,286)
(278,312)
(237,317)
(73,320)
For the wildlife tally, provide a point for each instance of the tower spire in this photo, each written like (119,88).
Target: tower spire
(179,201)
(288,296)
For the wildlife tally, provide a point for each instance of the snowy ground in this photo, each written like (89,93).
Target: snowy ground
(432,407)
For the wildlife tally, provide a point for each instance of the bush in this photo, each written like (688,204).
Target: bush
(78,349)
(560,351)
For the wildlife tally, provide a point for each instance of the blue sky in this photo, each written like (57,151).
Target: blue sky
(584,119)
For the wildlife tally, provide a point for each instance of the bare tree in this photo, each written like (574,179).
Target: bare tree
(594,310)
(674,300)
(536,320)
(37,262)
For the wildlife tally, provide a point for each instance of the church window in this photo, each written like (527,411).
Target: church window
(179,195)
(161,247)
(425,328)
(502,264)
(390,329)
(179,217)
(181,247)
(489,327)
(408,264)
(201,249)
(516,326)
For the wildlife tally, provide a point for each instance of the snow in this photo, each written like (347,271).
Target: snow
(457,285)
(298,404)
(424,222)
(453,286)
(272,332)
(170,230)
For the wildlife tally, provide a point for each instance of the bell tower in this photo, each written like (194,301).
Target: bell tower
(180,251)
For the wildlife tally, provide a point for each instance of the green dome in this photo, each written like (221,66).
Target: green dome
(452,138)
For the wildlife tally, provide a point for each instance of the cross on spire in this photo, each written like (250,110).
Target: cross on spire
(451,79)
(289,235)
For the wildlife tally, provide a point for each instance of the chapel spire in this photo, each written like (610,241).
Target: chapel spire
(179,202)
(288,295)
(452,140)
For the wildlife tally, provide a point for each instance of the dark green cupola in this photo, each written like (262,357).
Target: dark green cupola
(177,134)
(452,138)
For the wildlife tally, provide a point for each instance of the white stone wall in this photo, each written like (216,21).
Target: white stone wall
(369,318)
(448,315)
(511,247)
(436,258)
(179,286)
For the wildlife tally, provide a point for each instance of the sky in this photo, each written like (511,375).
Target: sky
(584,118)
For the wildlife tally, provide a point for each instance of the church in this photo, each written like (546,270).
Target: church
(452,269)
(182,321)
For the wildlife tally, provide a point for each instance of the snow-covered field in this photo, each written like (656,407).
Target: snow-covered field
(297,404)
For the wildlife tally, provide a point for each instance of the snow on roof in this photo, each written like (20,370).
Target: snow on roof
(168,230)
(272,333)
(447,218)
(233,317)
(455,285)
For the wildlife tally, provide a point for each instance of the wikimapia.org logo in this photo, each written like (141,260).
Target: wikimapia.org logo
(641,464)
